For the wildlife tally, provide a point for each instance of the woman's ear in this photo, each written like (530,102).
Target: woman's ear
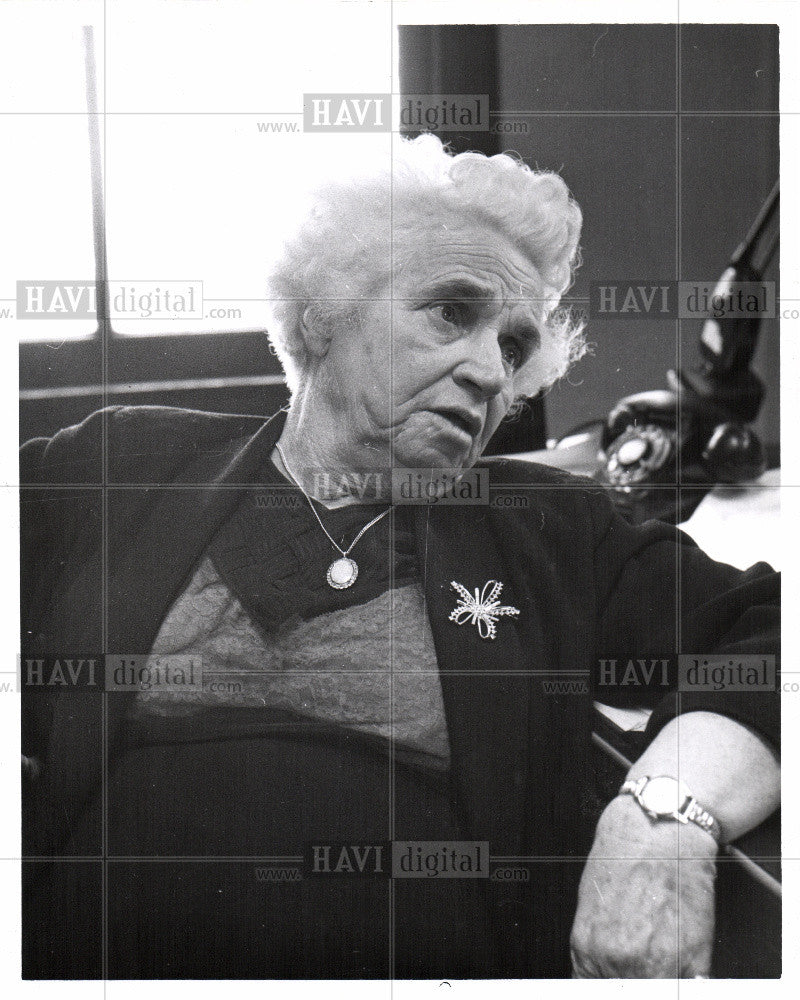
(316,333)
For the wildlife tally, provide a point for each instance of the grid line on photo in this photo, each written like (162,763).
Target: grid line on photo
(392,774)
(679,410)
(733,857)
(537,113)
(101,264)
(522,487)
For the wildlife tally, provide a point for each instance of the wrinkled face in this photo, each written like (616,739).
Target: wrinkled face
(431,374)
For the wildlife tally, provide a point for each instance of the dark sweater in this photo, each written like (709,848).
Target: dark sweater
(157,483)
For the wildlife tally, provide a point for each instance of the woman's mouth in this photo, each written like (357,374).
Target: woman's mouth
(464,421)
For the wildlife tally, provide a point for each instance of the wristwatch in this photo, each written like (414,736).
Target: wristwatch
(663,797)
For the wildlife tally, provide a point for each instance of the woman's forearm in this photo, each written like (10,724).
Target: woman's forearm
(730,770)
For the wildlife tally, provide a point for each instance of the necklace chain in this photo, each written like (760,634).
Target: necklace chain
(344,552)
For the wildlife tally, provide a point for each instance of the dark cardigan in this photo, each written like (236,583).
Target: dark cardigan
(157,483)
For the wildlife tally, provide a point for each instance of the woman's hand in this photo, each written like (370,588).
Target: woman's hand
(646,898)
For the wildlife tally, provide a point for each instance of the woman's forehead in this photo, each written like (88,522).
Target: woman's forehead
(480,265)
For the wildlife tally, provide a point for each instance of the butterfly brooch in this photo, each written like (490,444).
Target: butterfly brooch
(481,609)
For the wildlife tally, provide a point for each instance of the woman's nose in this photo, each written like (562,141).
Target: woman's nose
(482,370)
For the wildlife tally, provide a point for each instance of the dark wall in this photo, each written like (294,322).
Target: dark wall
(663,195)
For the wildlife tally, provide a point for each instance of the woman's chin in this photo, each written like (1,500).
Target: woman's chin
(429,440)
(432,457)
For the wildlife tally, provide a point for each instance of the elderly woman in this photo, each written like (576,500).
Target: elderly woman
(374,671)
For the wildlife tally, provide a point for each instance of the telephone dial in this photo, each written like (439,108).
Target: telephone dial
(658,439)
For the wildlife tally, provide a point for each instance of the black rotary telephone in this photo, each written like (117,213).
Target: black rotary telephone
(695,432)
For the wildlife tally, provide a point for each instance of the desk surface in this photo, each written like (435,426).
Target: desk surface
(739,525)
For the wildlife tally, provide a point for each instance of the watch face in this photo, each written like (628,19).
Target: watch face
(663,795)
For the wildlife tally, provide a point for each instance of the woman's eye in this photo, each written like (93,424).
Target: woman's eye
(450,312)
(512,353)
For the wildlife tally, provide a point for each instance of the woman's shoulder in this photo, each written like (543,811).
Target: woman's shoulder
(525,489)
(130,436)
(163,424)
(518,470)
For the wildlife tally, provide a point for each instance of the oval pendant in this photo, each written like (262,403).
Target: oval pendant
(342,573)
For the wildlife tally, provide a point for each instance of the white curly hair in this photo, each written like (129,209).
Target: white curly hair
(357,229)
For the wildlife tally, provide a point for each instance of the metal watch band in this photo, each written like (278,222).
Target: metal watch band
(689,812)
(695,813)
(632,786)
